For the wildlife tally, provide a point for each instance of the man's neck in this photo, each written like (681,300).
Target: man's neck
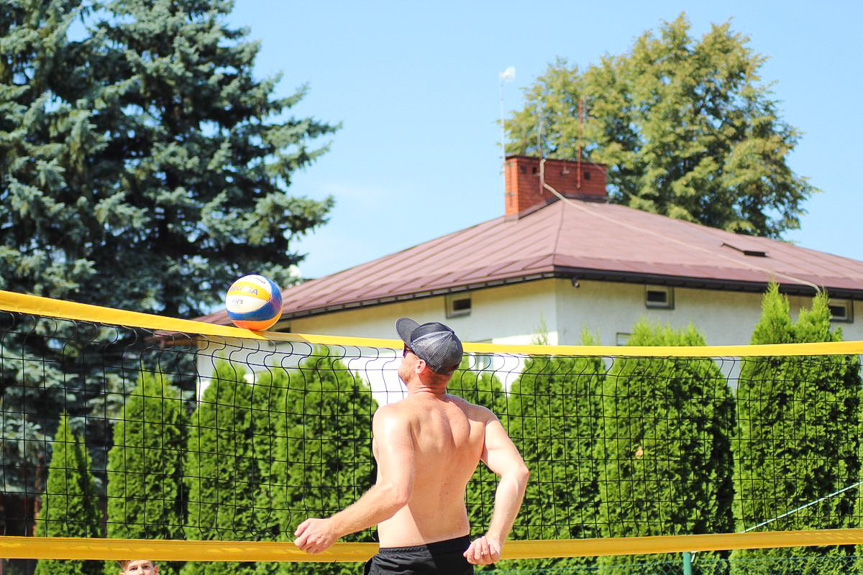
(419,389)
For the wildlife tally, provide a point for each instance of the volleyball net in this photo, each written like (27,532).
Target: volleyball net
(127,435)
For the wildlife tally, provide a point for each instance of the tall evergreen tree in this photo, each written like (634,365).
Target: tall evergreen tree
(665,444)
(553,414)
(686,127)
(324,448)
(147,143)
(145,466)
(70,503)
(34,56)
(798,438)
(220,471)
(44,133)
(150,143)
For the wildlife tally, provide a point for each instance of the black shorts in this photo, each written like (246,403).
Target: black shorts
(445,557)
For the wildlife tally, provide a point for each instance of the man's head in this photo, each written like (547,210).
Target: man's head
(138,567)
(434,343)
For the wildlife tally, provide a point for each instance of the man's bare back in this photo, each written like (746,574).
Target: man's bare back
(447,435)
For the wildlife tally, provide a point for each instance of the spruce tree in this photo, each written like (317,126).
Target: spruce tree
(665,447)
(45,131)
(145,466)
(70,503)
(324,449)
(220,471)
(142,165)
(553,413)
(147,142)
(37,129)
(798,439)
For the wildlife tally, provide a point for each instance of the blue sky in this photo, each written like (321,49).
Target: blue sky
(416,88)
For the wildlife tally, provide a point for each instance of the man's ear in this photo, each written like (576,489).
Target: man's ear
(421,365)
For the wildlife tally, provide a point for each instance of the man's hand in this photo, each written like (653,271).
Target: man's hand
(483,551)
(315,535)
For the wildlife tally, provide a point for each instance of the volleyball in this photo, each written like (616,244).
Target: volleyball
(254,302)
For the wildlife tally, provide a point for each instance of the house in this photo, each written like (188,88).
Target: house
(562,264)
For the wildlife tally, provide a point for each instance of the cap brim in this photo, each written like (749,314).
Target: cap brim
(405,327)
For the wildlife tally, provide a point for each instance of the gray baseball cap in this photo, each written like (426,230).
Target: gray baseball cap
(433,342)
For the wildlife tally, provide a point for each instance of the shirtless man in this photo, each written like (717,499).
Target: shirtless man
(138,567)
(427,447)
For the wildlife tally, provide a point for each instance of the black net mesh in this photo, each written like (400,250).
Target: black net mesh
(120,432)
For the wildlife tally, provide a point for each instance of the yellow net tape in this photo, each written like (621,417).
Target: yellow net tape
(111,549)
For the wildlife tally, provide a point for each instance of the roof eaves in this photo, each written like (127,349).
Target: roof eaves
(702,282)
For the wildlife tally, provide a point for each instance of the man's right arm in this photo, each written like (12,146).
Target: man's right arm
(502,457)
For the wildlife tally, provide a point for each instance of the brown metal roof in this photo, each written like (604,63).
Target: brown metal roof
(580,240)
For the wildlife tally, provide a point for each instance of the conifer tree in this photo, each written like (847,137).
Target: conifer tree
(145,466)
(553,413)
(44,132)
(70,504)
(665,448)
(147,142)
(35,54)
(220,472)
(798,439)
(142,165)
(324,449)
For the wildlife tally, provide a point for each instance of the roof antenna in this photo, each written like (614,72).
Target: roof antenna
(580,123)
(507,75)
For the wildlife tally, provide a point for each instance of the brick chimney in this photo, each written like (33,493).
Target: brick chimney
(523,188)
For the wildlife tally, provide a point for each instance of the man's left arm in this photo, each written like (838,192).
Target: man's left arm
(392,491)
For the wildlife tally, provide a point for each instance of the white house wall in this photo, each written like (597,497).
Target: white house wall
(507,314)
(515,314)
(611,310)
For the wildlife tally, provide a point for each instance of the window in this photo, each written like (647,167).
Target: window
(842,310)
(622,338)
(659,297)
(458,305)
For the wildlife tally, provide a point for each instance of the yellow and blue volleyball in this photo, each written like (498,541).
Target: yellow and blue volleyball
(254,302)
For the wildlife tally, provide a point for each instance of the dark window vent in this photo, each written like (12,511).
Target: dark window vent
(841,310)
(458,305)
(659,297)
